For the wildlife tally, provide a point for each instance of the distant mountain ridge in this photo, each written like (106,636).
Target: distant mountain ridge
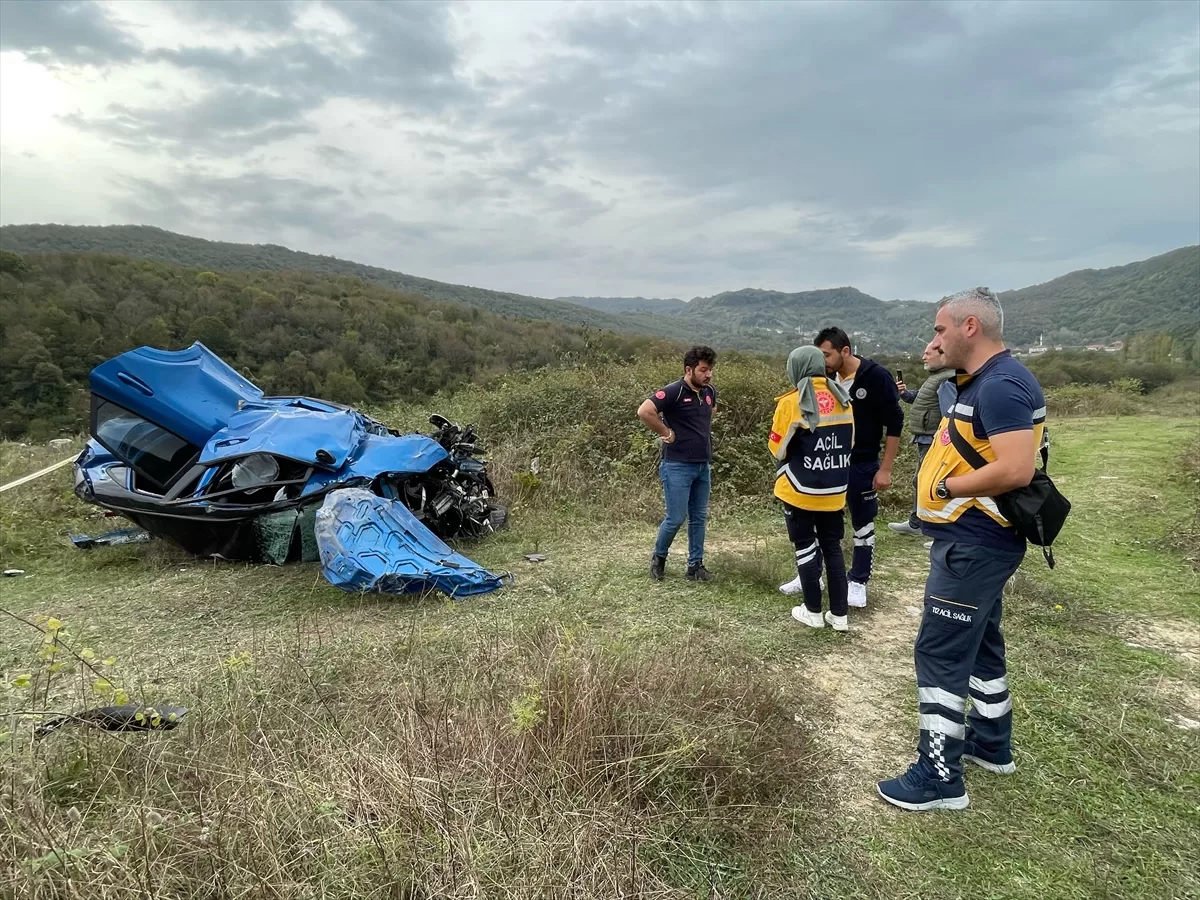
(655,305)
(1157,294)
(1161,293)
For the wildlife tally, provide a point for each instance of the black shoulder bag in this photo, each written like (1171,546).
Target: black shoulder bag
(1037,511)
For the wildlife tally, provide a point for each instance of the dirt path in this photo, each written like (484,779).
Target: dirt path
(868,685)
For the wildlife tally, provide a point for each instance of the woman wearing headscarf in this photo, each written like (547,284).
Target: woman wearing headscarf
(811,438)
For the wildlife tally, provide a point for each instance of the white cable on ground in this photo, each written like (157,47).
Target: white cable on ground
(39,473)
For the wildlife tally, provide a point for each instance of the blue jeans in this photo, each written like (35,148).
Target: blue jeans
(686,488)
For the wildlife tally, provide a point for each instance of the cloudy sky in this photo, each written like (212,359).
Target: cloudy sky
(643,148)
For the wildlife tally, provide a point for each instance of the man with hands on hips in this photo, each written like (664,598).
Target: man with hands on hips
(681,415)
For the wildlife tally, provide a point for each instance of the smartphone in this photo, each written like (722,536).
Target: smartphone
(899,375)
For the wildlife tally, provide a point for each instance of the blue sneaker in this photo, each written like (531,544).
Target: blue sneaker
(1001,763)
(919,789)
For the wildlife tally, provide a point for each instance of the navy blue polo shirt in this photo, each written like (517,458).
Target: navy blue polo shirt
(1002,396)
(688,413)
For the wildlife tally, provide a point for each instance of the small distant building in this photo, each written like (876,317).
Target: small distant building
(1095,347)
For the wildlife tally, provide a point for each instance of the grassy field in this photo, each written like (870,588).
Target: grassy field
(587,733)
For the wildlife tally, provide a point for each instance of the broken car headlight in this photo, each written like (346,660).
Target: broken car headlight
(254,471)
(117,474)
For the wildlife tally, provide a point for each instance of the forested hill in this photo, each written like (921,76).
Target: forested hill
(1157,294)
(291,332)
(1161,294)
(146,242)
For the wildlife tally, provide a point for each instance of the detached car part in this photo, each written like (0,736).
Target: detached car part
(127,717)
(111,538)
(368,543)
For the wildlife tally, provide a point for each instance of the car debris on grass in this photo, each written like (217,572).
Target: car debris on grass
(193,453)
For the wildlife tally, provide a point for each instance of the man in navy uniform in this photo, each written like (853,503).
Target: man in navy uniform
(1000,413)
(681,415)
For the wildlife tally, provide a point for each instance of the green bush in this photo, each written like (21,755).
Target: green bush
(1061,368)
(1152,376)
(581,426)
(1117,399)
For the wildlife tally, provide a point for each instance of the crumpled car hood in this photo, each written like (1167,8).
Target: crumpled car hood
(285,430)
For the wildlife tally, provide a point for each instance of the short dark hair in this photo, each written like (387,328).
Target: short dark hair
(837,338)
(697,355)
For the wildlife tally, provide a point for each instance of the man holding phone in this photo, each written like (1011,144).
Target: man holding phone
(923,422)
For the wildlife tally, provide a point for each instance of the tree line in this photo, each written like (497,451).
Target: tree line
(290,332)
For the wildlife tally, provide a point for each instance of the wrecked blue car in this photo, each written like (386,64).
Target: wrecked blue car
(192,452)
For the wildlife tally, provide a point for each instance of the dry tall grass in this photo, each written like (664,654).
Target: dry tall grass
(530,767)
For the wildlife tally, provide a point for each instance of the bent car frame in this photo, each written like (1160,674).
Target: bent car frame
(191,451)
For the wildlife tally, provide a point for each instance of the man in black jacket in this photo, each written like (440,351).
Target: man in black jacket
(876,404)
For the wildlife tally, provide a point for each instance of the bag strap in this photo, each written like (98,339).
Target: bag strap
(1046,551)
(971,455)
(965,450)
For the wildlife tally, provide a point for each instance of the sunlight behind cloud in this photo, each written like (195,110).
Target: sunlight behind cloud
(30,98)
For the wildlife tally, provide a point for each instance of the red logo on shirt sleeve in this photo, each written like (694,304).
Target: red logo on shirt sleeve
(708,399)
(776,438)
(661,395)
(945,438)
(825,402)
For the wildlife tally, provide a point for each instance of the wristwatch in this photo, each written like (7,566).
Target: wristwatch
(941,491)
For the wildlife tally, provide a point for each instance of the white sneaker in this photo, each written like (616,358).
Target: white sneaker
(904,527)
(857,595)
(837,623)
(811,619)
(792,587)
(929,545)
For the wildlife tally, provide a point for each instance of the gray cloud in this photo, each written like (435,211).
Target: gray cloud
(679,148)
(406,58)
(252,15)
(64,33)
(862,103)
(336,157)
(407,61)
(226,120)
(262,204)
